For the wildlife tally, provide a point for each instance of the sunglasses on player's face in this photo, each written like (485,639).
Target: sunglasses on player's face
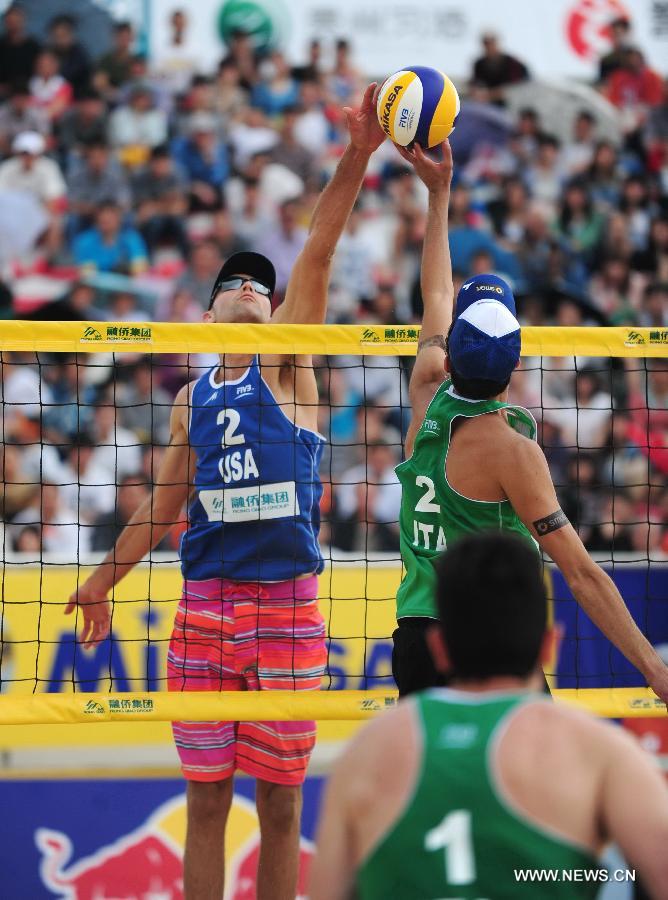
(233,284)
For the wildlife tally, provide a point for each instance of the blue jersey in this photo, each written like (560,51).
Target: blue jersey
(256,511)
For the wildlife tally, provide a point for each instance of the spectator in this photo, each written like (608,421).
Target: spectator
(311,71)
(284,242)
(290,153)
(242,54)
(117,449)
(615,58)
(278,90)
(545,175)
(40,460)
(635,206)
(17,114)
(652,260)
(656,130)
(343,82)
(18,51)
(16,491)
(654,306)
(509,214)
(82,124)
(81,302)
(250,136)
(124,307)
(58,524)
(49,90)
(159,195)
(87,486)
(312,129)
(144,407)
(582,497)
(579,225)
(116,64)
(251,216)
(495,70)
(133,490)
(585,420)
(634,88)
(577,154)
(74,61)
(136,128)
(30,171)
(603,176)
(203,158)
(614,533)
(367,501)
(225,233)
(230,98)
(108,246)
(352,272)
(97,179)
(197,101)
(615,290)
(205,263)
(177,61)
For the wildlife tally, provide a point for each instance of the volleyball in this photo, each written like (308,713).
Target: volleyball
(418,104)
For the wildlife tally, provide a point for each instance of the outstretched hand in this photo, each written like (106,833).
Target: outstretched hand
(96,611)
(365,131)
(436,174)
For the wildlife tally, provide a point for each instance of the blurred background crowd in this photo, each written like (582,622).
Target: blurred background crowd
(134,178)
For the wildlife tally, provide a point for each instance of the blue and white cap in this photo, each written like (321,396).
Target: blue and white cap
(485,340)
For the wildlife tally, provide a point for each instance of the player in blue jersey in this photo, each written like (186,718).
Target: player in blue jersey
(244,450)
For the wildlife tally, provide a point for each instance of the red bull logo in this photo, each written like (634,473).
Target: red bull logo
(147,863)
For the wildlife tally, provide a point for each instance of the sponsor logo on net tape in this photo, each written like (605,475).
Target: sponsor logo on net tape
(119,705)
(390,336)
(118,334)
(657,337)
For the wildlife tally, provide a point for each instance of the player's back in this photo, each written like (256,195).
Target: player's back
(504,785)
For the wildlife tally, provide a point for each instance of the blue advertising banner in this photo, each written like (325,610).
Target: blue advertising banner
(587,659)
(123,838)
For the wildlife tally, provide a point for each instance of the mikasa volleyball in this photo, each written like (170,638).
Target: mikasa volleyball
(418,104)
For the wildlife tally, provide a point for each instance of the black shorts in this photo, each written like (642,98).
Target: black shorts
(412,665)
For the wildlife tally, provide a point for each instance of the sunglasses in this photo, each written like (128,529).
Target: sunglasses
(233,284)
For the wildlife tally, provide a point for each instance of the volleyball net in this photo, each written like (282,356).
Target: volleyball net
(85,423)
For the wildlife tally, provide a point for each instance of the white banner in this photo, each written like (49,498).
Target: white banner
(554,38)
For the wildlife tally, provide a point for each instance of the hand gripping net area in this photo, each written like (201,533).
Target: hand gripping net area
(86,419)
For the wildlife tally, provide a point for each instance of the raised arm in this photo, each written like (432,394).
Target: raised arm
(435,284)
(306,294)
(147,527)
(525,478)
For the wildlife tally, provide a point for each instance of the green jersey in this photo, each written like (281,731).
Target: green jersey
(432,513)
(458,837)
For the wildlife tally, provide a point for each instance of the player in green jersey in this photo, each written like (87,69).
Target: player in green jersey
(461,792)
(466,470)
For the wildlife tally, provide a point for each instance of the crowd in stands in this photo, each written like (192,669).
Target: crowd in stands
(135,178)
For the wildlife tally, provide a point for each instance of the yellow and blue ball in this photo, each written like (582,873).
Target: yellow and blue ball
(417,104)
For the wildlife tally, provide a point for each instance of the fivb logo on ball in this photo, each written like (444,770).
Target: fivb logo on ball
(418,104)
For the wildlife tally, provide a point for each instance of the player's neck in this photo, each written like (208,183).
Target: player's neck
(505,683)
(233,366)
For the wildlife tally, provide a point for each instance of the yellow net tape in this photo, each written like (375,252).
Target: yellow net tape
(341,705)
(258,706)
(376,340)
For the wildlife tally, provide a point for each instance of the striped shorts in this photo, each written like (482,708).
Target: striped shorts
(245,636)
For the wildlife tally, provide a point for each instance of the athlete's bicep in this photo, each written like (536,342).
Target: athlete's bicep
(332,869)
(525,478)
(634,799)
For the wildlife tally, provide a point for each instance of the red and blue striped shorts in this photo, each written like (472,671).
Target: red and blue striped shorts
(245,636)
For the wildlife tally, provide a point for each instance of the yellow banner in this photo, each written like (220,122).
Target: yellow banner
(39,653)
(377,340)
